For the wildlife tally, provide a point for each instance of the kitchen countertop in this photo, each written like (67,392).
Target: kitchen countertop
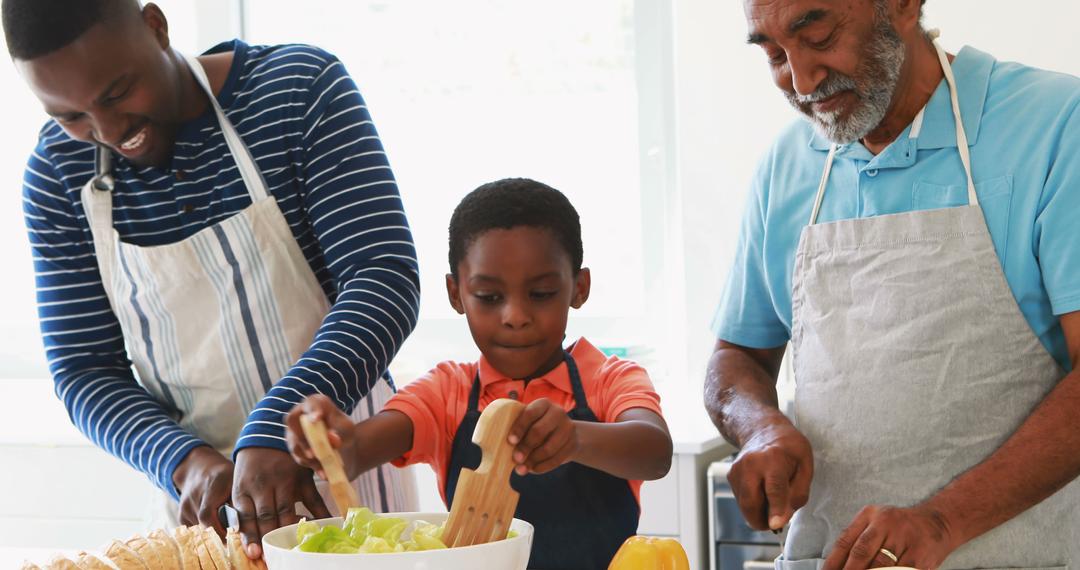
(692,432)
(695,439)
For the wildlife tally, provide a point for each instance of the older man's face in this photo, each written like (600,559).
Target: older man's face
(837,61)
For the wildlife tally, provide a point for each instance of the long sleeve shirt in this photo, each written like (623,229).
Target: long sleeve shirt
(310,133)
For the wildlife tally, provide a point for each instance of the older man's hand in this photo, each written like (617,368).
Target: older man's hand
(919,537)
(771,476)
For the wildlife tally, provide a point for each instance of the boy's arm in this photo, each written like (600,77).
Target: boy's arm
(379,439)
(637,446)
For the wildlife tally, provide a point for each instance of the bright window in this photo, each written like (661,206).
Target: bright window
(548,93)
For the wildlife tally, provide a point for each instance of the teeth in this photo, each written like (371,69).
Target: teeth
(135,141)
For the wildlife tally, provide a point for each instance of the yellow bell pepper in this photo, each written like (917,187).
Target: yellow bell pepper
(650,553)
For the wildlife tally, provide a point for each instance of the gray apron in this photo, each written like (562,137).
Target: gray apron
(913,364)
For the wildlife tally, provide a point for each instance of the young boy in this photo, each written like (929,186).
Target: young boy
(591,430)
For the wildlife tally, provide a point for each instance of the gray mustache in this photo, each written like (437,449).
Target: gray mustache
(833,84)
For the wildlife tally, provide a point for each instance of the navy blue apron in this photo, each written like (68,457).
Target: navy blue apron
(581,515)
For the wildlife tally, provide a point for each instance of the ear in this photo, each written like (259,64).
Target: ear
(905,16)
(155,19)
(582,284)
(453,292)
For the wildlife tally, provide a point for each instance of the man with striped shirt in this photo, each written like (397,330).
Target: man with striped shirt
(153,246)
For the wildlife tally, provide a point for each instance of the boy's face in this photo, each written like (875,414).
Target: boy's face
(515,288)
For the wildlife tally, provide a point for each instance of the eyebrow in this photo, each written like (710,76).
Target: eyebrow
(493,279)
(794,27)
(102,96)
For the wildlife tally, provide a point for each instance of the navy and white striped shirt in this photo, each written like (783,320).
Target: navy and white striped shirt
(310,133)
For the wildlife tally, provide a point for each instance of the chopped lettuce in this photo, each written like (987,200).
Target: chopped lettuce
(425,536)
(329,539)
(365,532)
(304,529)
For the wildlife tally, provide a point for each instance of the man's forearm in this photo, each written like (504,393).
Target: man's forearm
(740,394)
(1034,463)
(118,415)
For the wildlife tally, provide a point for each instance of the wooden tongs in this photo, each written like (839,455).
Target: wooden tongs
(340,488)
(484,502)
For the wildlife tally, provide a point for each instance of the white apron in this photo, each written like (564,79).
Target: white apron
(213,321)
(913,364)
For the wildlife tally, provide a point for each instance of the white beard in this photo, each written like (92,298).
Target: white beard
(874,84)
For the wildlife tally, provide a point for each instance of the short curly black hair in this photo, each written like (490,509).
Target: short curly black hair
(511,203)
(34,28)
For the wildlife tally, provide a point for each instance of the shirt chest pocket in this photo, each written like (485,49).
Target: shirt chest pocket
(995,199)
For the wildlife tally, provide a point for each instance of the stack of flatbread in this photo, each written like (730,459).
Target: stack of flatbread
(184,548)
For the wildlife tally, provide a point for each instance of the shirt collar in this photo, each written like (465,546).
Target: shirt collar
(972,69)
(588,358)
(195,131)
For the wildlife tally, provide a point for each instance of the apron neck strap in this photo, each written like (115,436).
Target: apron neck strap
(916,129)
(821,185)
(474,393)
(961,134)
(581,402)
(249,171)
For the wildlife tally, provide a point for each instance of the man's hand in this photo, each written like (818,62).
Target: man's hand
(266,487)
(340,431)
(919,537)
(545,438)
(204,479)
(771,476)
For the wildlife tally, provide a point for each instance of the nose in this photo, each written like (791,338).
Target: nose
(806,73)
(515,315)
(108,127)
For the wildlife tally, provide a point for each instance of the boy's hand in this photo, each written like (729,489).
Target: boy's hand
(545,438)
(339,431)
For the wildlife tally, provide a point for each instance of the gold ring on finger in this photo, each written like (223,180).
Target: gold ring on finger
(888,553)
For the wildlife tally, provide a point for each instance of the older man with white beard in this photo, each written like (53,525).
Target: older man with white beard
(914,240)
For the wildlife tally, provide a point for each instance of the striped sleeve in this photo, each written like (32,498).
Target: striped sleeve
(356,213)
(83,341)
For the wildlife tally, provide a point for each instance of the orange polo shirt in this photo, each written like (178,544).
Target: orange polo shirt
(436,402)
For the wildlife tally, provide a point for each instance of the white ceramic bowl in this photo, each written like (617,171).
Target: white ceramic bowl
(509,554)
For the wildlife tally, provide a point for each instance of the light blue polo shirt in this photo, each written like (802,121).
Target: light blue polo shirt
(1024,129)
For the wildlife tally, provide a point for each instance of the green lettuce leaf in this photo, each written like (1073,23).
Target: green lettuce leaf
(366,532)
